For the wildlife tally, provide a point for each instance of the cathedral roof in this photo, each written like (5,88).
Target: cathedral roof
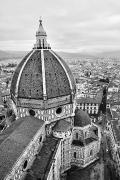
(42,74)
(14,140)
(27,81)
(42,164)
(81,118)
(62,126)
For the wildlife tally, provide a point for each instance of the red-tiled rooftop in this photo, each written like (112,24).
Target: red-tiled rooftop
(62,126)
(81,118)
(30,84)
(115,115)
(14,140)
(95,100)
(42,163)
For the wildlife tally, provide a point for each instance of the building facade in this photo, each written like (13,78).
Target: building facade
(86,140)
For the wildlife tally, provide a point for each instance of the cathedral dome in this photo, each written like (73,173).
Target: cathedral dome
(81,118)
(42,74)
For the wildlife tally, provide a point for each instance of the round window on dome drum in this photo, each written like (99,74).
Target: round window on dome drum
(32,112)
(59,110)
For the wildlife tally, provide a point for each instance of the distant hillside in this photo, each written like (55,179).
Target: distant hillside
(66,55)
(11,54)
(110,54)
(21,54)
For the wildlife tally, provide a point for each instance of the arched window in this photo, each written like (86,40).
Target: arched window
(39,43)
(91,152)
(43,43)
(75,155)
(32,112)
(76,135)
(30,92)
(25,164)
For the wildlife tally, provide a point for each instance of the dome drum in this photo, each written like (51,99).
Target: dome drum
(41,104)
(62,129)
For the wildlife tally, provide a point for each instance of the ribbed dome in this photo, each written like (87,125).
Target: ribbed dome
(81,118)
(40,73)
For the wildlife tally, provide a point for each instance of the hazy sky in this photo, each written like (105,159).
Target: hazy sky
(71,25)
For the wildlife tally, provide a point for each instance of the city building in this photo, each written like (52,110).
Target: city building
(90,105)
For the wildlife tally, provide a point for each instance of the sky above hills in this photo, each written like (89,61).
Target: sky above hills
(71,25)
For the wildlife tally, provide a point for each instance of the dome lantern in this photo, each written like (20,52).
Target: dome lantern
(41,37)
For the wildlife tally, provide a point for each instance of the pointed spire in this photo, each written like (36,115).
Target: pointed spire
(41,41)
(41,30)
(40,20)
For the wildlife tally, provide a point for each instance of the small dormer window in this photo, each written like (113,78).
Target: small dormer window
(77,136)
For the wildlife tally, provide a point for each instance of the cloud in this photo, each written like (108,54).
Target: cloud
(89,25)
(24,45)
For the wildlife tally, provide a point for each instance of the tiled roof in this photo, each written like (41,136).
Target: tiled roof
(62,126)
(81,118)
(57,76)
(42,163)
(95,100)
(14,140)
(115,115)
(68,71)
(31,82)
(16,74)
